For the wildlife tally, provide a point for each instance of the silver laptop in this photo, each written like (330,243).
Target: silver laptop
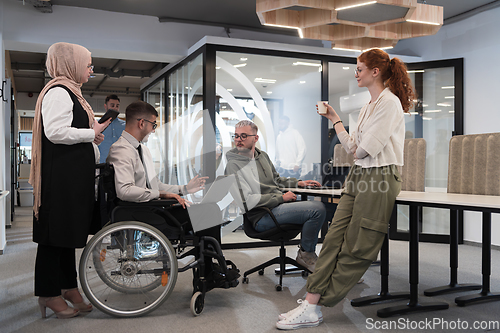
(200,218)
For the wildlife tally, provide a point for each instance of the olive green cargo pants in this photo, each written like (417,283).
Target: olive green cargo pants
(356,233)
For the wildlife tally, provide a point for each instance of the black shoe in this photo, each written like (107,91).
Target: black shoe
(219,279)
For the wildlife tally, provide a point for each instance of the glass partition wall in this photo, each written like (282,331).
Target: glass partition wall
(436,117)
(202,97)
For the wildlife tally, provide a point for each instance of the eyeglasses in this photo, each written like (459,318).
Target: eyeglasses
(152,123)
(91,67)
(357,71)
(243,136)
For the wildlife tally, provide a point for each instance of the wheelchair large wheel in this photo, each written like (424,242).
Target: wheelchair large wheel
(128,269)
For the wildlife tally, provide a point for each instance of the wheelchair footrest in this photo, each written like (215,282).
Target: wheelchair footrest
(220,279)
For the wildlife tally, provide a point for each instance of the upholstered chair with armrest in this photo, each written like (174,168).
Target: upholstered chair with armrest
(281,234)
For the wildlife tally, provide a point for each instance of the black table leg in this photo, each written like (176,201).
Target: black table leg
(453,286)
(413,305)
(485,294)
(384,294)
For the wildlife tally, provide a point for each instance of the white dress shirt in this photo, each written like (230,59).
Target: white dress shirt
(130,174)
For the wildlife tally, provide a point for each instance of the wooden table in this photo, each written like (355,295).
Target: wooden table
(454,202)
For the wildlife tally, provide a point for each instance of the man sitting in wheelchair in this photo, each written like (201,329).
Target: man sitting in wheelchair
(136,182)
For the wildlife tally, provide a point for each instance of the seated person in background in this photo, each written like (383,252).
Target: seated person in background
(261,188)
(136,181)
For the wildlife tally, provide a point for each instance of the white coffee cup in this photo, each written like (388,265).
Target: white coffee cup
(322,107)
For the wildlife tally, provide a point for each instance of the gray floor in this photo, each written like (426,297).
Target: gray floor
(254,307)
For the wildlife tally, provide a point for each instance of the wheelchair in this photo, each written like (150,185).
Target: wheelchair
(129,268)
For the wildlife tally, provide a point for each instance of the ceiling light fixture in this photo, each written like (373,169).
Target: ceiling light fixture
(240,65)
(449,97)
(358,5)
(299,30)
(261,80)
(302,82)
(423,22)
(301,63)
(416,71)
(380,48)
(448,87)
(345,26)
(243,59)
(345,68)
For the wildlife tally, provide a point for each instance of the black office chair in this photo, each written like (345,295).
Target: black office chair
(282,233)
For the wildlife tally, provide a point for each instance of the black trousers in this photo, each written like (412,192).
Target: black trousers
(55,269)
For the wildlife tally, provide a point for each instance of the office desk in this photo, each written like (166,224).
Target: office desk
(482,203)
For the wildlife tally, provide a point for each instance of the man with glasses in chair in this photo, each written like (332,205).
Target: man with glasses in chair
(136,181)
(260,184)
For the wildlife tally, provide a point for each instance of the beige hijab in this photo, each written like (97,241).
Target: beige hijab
(67,65)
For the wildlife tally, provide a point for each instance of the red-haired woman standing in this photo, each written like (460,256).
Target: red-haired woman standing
(362,217)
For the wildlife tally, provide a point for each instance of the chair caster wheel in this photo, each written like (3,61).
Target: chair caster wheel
(305,273)
(278,287)
(244,280)
(197,303)
(261,272)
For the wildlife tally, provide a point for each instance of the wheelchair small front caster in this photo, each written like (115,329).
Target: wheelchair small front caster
(305,273)
(197,303)
(261,272)
(244,280)
(278,287)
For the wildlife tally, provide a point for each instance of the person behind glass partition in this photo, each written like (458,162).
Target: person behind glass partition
(290,149)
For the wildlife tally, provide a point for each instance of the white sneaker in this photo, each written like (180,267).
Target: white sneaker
(318,312)
(307,259)
(304,315)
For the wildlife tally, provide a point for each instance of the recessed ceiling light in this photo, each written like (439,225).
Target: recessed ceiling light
(416,71)
(240,65)
(261,80)
(448,87)
(302,63)
(345,68)
(432,111)
(217,67)
(443,104)
(243,59)
(302,82)
(269,92)
(449,97)
(229,89)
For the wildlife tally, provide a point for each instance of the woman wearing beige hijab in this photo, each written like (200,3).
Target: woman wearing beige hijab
(65,135)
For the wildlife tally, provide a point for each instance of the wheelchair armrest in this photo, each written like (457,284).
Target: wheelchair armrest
(154,202)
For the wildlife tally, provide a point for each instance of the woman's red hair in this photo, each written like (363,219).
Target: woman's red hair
(393,73)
